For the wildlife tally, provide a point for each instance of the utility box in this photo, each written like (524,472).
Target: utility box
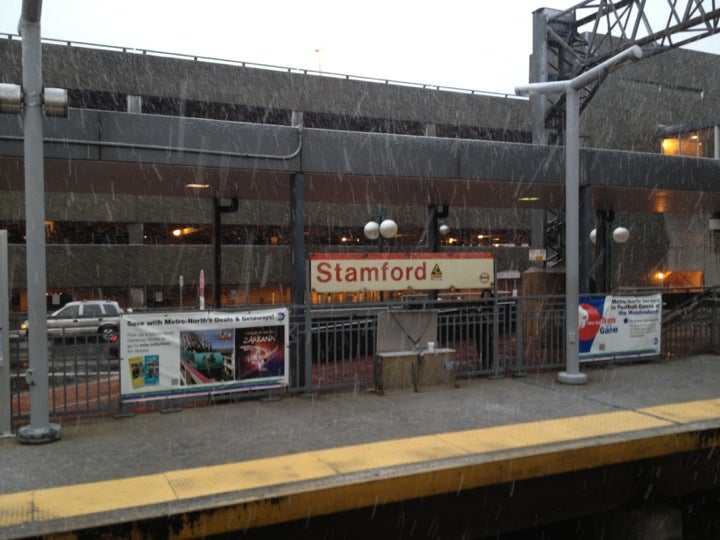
(416,370)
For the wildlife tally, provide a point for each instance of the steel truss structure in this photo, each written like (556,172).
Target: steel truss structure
(568,43)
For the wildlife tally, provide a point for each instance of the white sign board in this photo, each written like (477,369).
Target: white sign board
(619,326)
(354,272)
(184,353)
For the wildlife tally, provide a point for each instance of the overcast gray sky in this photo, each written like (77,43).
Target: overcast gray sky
(475,44)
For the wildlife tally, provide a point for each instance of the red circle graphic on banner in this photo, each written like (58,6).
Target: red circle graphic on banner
(588,322)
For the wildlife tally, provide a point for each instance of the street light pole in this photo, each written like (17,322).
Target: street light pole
(378,228)
(40,429)
(572,374)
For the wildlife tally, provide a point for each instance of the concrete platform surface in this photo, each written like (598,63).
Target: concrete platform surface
(250,431)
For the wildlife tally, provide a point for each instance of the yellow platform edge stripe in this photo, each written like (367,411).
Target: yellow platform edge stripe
(443,462)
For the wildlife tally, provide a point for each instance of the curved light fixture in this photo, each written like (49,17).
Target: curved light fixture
(621,235)
(388,228)
(372,230)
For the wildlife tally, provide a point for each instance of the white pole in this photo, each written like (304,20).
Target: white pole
(572,374)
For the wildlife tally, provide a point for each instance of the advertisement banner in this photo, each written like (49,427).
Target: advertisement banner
(619,326)
(184,353)
(357,272)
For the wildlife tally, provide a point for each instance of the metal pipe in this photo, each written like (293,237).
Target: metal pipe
(204,151)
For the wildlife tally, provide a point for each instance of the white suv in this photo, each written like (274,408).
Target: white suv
(91,317)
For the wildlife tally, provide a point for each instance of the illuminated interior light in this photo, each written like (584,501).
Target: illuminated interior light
(670,147)
(184,231)
(197,186)
(529,199)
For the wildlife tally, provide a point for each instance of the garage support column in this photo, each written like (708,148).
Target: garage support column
(136,233)
(134,104)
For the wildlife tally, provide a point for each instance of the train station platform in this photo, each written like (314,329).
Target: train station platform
(239,467)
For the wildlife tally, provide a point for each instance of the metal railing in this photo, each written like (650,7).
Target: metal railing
(332,347)
(690,326)
(268,67)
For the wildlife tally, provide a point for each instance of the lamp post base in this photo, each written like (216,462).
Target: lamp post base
(32,435)
(571,378)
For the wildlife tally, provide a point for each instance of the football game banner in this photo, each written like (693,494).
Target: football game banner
(619,326)
(357,272)
(184,353)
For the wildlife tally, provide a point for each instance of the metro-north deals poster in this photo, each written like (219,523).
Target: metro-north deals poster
(177,354)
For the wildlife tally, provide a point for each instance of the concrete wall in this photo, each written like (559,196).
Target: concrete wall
(670,88)
(114,71)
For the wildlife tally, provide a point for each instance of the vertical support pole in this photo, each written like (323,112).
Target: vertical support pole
(519,331)
(495,351)
(40,429)
(5,399)
(714,323)
(433,240)
(538,219)
(572,374)
(306,342)
(600,251)
(134,104)
(539,73)
(538,109)
(585,228)
(217,248)
(297,224)
(300,286)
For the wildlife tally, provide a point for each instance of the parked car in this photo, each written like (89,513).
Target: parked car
(92,317)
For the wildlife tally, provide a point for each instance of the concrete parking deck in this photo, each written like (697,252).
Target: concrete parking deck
(240,465)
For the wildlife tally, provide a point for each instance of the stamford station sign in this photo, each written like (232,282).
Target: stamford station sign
(357,272)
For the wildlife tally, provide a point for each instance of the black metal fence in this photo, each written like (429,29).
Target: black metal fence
(332,347)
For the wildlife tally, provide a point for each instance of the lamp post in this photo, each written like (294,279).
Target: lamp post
(379,228)
(40,429)
(603,251)
(33,101)
(570,88)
